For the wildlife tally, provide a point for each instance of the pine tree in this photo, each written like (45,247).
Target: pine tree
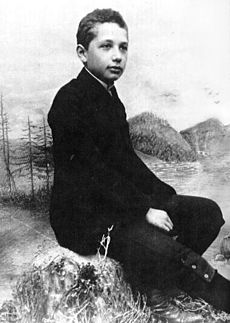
(43,157)
(24,162)
(6,150)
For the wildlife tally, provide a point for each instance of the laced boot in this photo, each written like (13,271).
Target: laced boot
(164,309)
(216,292)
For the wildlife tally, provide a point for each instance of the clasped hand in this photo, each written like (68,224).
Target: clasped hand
(160,219)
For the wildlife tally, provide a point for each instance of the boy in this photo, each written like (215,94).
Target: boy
(99,182)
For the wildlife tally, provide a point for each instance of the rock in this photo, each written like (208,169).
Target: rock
(55,253)
(61,283)
(220,257)
(225,246)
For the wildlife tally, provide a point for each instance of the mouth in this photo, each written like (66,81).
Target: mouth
(115,69)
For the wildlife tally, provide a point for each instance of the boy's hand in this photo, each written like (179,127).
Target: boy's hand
(160,219)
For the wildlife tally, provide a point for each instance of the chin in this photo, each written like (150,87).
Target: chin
(114,78)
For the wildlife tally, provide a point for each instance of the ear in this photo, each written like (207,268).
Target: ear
(82,53)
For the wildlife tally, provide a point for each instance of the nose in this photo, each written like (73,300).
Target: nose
(117,56)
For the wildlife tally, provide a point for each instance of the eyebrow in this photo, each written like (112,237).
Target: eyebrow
(111,41)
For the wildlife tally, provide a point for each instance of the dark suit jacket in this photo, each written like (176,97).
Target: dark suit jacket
(98,178)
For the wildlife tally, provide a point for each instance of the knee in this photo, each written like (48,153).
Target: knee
(216,220)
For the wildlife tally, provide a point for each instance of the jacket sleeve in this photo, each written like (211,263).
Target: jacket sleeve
(74,142)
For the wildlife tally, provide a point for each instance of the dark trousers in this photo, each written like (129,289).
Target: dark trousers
(153,258)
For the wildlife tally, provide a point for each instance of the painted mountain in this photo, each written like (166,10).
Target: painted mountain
(154,136)
(210,137)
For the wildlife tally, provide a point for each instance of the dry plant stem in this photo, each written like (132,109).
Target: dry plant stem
(104,243)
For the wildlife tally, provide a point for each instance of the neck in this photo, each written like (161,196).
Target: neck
(105,85)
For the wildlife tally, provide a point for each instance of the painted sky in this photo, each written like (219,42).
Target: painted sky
(179,57)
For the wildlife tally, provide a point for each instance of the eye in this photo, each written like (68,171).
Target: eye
(106,46)
(124,48)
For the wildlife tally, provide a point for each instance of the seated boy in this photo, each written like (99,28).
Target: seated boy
(99,182)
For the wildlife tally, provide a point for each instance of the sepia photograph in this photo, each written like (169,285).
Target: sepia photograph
(114,161)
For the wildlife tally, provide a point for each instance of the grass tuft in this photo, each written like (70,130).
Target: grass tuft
(40,200)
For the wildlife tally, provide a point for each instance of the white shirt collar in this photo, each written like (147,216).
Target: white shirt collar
(106,86)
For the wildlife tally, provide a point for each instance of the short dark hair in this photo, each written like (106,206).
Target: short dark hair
(86,32)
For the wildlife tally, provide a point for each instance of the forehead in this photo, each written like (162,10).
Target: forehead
(110,31)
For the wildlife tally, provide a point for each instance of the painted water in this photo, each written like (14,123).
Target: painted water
(209,177)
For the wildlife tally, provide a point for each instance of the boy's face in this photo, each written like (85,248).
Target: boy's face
(106,55)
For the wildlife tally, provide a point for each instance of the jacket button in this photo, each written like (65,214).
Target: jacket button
(206,276)
(194,266)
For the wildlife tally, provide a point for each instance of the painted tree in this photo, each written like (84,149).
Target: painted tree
(24,161)
(6,149)
(43,156)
